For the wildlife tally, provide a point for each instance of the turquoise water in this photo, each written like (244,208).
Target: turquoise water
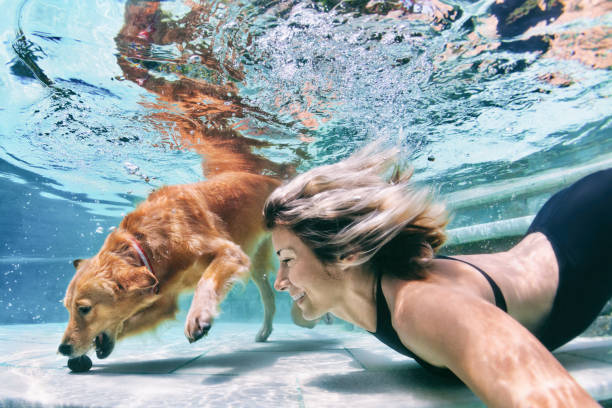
(104,101)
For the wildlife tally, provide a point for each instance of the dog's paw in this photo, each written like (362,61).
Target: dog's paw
(202,312)
(196,328)
(263,333)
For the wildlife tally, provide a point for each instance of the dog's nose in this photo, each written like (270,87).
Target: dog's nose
(65,349)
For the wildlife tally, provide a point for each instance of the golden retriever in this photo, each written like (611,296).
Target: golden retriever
(182,237)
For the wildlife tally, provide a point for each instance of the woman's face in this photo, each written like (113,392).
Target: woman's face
(307,279)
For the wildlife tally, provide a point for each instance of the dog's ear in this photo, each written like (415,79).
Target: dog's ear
(137,279)
(125,251)
(76,263)
(134,279)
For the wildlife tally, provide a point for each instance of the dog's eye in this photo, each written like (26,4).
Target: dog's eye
(83,310)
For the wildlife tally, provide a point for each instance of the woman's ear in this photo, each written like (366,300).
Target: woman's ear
(349,259)
(346,261)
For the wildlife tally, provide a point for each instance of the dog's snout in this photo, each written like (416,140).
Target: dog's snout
(65,349)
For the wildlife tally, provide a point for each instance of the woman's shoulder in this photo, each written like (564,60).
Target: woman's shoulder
(428,315)
(440,274)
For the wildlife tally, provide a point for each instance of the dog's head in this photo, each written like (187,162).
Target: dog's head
(104,293)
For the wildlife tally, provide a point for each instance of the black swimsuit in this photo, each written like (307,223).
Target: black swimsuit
(387,334)
(578,223)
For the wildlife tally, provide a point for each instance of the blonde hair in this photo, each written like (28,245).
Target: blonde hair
(362,209)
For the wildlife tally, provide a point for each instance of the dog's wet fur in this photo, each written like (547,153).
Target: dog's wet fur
(199,236)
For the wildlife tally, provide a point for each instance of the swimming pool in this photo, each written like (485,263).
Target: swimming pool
(497,103)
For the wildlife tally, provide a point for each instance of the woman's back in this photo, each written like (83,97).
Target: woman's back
(527,276)
(558,278)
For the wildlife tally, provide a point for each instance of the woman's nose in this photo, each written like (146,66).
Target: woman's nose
(281,283)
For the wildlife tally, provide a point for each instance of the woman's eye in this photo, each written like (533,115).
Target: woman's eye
(286,261)
(83,310)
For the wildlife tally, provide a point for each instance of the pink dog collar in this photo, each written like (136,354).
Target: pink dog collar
(142,255)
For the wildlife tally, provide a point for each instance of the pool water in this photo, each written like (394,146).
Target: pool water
(497,103)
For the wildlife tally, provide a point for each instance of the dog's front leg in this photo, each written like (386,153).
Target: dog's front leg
(262,266)
(229,264)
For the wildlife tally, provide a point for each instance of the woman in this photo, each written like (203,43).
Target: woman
(361,246)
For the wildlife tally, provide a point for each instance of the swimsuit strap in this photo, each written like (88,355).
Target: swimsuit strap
(500,301)
(387,334)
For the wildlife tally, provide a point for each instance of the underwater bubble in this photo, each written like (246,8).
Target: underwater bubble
(131,168)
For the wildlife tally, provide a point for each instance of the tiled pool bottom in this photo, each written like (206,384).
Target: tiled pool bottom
(324,367)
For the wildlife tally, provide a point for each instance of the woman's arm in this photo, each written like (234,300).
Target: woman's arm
(500,360)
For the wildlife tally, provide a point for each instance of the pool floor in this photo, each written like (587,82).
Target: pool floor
(328,366)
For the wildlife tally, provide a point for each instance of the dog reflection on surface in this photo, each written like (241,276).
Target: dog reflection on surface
(199,236)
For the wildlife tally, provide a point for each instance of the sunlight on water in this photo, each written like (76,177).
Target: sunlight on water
(113,99)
